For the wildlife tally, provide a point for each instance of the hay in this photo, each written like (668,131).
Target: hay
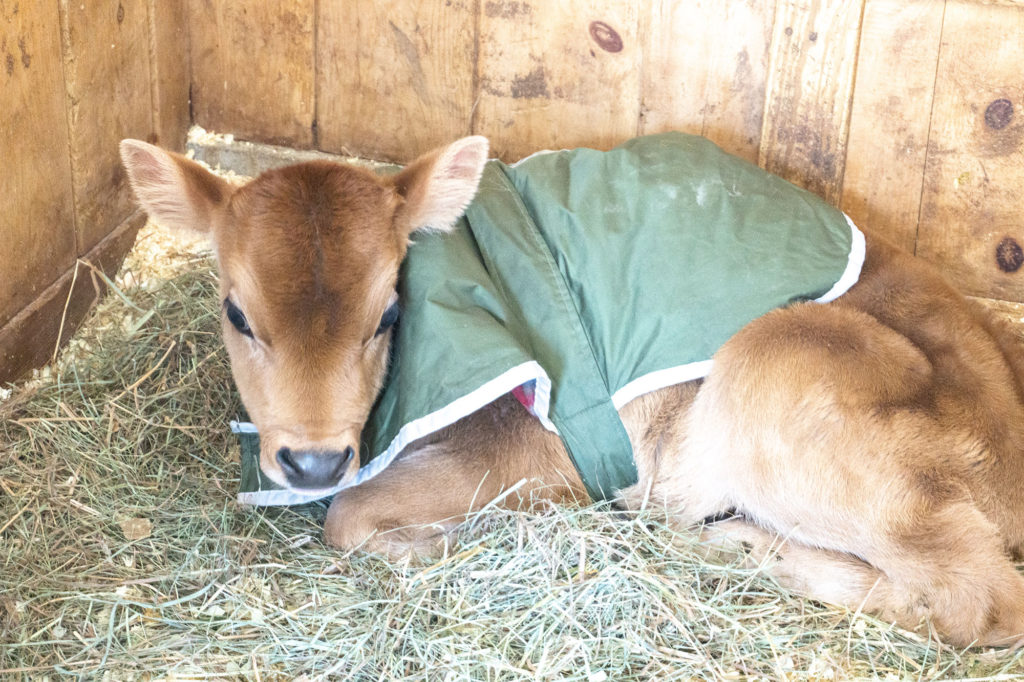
(125,557)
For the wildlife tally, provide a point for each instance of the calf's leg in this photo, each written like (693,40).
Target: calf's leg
(414,505)
(979,602)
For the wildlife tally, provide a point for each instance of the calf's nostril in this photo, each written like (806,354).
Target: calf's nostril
(343,460)
(288,464)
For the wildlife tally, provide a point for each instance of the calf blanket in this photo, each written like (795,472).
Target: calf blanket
(581,280)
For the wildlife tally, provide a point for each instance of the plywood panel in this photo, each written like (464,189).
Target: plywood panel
(395,78)
(972,223)
(169,49)
(557,74)
(813,59)
(892,106)
(704,69)
(253,68)
(36,201)
(106,68)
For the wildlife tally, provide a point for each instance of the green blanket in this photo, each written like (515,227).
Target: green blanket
(582,279)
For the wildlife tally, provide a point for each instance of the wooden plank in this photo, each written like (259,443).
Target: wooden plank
(36,201)
(676,65)
(168,48)
(704,71)
(557,74)
(253,69)
(971,219)
(892,106)
(28,341)
(107,76)
(810,80)
(395,79)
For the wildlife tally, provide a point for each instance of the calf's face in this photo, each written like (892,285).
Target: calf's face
(308,258)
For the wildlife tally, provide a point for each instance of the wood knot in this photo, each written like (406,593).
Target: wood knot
(998,114)
(1009,255)
(606,37)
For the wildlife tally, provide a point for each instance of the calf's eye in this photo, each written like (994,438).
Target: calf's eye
(388,319)
(237,318)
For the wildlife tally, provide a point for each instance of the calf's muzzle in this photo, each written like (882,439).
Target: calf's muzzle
(314,469)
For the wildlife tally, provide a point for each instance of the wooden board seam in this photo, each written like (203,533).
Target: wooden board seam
(314,127)
(155,99)
(844,142)
(65,50)
(474,86)
(928,137)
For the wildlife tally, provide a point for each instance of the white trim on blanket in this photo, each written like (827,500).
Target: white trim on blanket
(275,498)
(854,264)
(542,401)
(663,378)
(418,428)
(459,408)
(671,376)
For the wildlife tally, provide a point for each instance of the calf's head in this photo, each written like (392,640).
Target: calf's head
(308,258)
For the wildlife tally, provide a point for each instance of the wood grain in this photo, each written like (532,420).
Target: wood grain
(395,78)
(253,69)
(813,60)
(889,121)
(556,75)
(169,48)
(971,218)
(36,199)
(107,76)
(704,69)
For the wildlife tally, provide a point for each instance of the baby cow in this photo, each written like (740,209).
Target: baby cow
(880,433)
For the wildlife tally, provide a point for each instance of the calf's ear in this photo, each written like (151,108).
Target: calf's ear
(176,192)
(438,186)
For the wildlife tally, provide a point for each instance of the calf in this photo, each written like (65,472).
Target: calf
(881,434)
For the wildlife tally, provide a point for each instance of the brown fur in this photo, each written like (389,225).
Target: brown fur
(880,436)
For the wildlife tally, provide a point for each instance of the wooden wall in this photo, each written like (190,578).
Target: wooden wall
(909,114)
(75,78)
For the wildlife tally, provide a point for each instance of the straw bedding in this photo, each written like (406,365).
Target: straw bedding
(124,555)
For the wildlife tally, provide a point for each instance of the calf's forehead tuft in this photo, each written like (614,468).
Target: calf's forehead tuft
(317,237)
(319,194)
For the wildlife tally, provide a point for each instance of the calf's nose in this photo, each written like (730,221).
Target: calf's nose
(313,469)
